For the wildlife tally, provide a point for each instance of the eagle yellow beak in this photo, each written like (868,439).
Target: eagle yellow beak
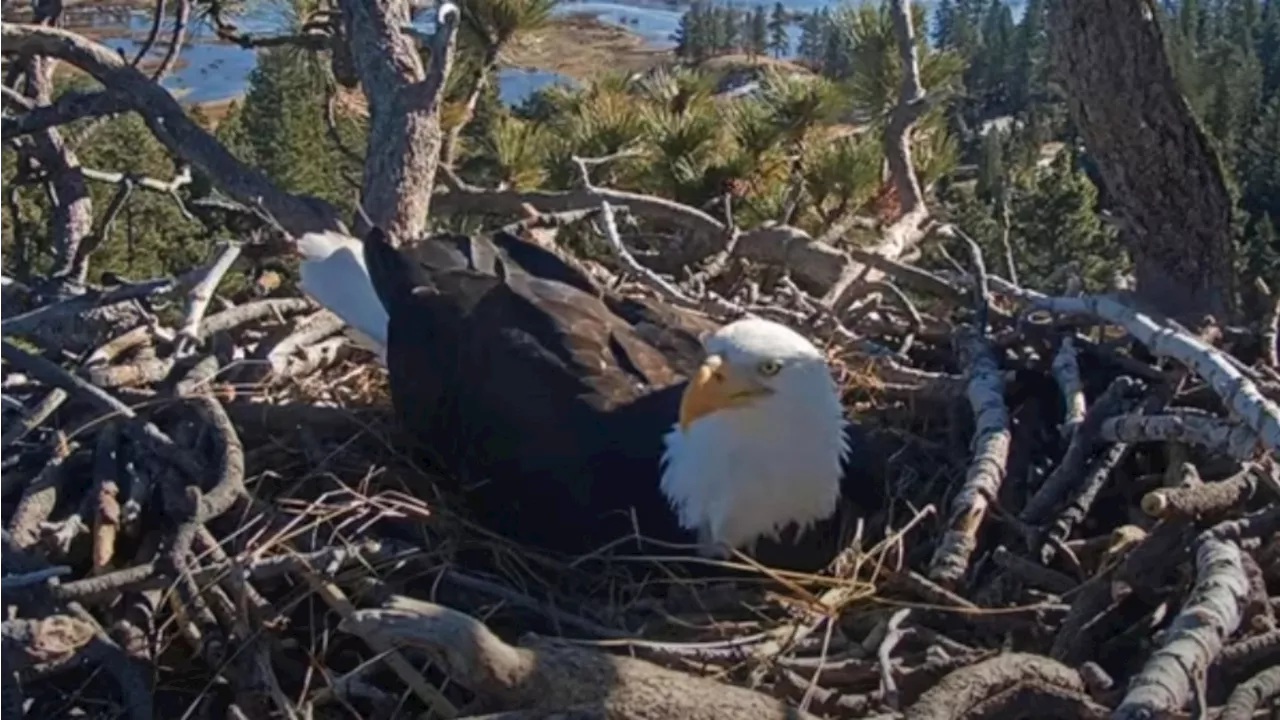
(715,387)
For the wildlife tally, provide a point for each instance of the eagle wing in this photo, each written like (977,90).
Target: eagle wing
(674,332)
(513,381)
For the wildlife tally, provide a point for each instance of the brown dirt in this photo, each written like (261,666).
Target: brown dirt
(739,61)
(598,47)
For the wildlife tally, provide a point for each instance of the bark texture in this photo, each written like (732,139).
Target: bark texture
(1162,174)
(548,677)
(404,127)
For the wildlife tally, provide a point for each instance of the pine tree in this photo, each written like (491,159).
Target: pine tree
(285,130)
(944,25)
(779,41)
(1268,238)
(1029,69)
(813,30)
(966,18)
(1260,252)
(1189,22)
(1242,19)
(1234,98)
(1181,51)
(988,72)
(1259,171)
(991,170)
(729,22)
(1265,233)
(1268,44)
(689,41)
(681,36)
(198,115)
(758,32)
(837,55)
(1054,223)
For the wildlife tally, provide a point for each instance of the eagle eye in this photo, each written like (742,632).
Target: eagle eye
(769,368)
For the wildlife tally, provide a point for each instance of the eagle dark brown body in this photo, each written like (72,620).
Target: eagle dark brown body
(547,398)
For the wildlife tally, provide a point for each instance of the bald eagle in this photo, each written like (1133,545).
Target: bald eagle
(573,417)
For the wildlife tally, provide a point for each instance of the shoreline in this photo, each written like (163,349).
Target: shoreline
(600,46)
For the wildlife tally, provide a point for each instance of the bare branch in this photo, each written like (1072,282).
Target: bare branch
(991,439)
(1192,642)
(147,183)
(166,119)
(79,269)
(1164,338)
(910,228)
(668,291)
(200,295)
(911,105)
(180,19)
(68,108)
(1270,335)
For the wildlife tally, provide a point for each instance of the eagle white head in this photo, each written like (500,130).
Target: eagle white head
(760,441)
(334,274)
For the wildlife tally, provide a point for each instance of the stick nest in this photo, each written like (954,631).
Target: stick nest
(1080,520)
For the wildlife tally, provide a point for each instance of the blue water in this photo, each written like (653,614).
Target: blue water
(214,70)
(515,85)
(653,22)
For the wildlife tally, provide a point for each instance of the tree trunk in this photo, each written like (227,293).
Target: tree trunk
(1154,158)
(404,118)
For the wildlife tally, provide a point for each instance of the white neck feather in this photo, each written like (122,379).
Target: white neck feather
(333,273)
(737,475)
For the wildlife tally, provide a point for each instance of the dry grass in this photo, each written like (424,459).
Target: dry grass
(343,480)
(338,514)
(598,48)
(734,62)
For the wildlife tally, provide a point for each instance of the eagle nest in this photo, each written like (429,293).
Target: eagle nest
(1080,521)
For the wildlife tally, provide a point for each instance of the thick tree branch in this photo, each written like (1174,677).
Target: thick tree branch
(1210,616)
(164,116)
(69,107)
(991,440)
(1164,338)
